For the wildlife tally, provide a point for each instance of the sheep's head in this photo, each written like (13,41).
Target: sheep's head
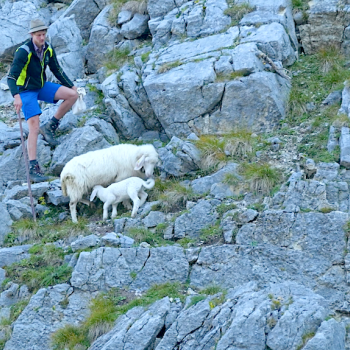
(148,163)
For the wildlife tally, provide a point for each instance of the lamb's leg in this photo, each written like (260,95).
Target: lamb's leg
(114,210)
(127,204)
(136,201)
(85,201)
(73,211)
(143,195)
(105,210)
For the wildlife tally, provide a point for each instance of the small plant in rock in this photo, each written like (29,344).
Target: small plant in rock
(212,290)
(305,338)
(117,58)
(195,299)
(175,196)
(212,150)
(217,301)
(185,242)
(144,56)
(220,77)
(261,177)
(223,208)
(44,230)
(237,11)
(44,268)
(211,233)
(168,66)
(104,311)
(141,234)
(240,144)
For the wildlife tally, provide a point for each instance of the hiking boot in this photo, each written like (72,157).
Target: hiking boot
(36,175)
(48,131)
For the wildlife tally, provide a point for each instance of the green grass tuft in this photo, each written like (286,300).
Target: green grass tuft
(261,177)
(168,66)
(117,58)
(237,11)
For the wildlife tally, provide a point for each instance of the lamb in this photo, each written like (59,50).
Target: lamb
(103,167)
(118,192)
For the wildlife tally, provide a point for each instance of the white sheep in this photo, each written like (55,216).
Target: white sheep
(103,167)
(114,194)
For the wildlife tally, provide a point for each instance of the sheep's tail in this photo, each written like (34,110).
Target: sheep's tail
(149,184)
(65,182)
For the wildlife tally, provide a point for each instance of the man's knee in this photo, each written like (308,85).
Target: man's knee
(74,95)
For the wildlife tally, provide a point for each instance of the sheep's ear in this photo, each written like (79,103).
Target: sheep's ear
(93,195)
(139,164)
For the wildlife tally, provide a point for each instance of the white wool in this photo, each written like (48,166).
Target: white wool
(103,167)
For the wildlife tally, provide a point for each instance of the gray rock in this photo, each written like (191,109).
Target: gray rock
(204,184)
(221,191)
(137,98)
(119,225)
(248,216)
(14,24)
(80,141)
(125,241)
(106,129)
(20,191)
(5,222)
(190,224)
(18,210)
(85,13)
(245,60)
(56,197)
(270,91)
(85,242)
(332,140)
(111,238)
(179,157)
(327,171)
(345,101)
(143,331)
(9,296)
(229,229)
(111,267)
(273,40)
(66,39)
(14,254)
(103,38)
(333,98)
(154,218)
(344,143)
(12,163)
(124,16)
(136,27)
(330,336)
(47,312)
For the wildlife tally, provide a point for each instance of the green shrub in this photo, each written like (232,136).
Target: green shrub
(261,177)
(195,299)
(237,11)
(45,267)
(141,234)
(104,310)
(117,58)
(168,66)
(211,232)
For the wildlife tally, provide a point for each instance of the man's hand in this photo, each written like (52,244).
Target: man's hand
(17,103)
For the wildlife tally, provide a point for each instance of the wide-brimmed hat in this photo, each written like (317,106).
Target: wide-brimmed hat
(36,25)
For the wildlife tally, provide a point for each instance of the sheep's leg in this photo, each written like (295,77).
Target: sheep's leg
(73,211)
(143,196)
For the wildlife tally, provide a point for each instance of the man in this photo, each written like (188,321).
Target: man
(27,82)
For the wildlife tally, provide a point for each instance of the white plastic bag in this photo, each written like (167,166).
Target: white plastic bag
(79,106)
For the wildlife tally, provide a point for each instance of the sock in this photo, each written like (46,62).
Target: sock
(33,162)
(56,121)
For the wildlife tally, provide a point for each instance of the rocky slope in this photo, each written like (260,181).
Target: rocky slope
(243,243)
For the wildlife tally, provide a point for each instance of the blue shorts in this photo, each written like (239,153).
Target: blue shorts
(30,105)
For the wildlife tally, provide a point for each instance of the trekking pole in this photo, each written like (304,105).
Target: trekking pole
(27,166)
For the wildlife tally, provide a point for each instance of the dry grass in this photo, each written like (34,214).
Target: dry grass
(168,66)
(239,143)
(237,11)
(212,150)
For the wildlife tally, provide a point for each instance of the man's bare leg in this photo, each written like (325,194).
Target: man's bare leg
(69,96)
(33,124)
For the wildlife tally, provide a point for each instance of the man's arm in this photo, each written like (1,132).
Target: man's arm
(19,61)
(58,71)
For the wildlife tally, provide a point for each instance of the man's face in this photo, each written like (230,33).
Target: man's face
(39,38)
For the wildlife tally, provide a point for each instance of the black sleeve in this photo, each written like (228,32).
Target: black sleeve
(19,61)
(58,71)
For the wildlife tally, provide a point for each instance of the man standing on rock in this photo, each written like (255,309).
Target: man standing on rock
(27,82)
